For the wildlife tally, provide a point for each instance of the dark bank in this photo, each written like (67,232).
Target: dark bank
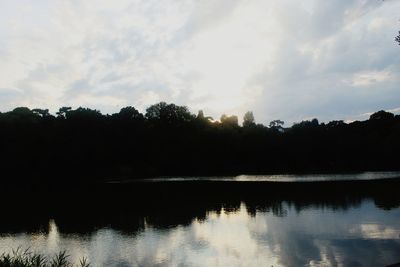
(85,146)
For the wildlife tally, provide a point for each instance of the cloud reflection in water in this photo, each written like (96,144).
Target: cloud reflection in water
(359,236)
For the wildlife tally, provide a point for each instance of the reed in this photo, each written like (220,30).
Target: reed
(27,258)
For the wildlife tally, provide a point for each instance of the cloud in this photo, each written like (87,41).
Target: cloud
(370,78)
(288,59)
(310,236)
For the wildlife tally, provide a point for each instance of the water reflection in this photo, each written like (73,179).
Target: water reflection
(242,235)
(285,177)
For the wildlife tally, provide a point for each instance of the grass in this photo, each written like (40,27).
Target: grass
(27,258)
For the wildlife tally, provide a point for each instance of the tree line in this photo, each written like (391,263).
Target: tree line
(168,140)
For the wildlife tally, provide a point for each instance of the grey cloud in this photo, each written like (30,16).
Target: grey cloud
(77,88)
(302,86)
(209,13)
(10,99)
(329,17)
(129,49)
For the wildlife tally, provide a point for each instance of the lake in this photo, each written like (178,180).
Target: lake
(286,177)
(342,223)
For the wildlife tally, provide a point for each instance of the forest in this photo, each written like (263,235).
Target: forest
(83,145)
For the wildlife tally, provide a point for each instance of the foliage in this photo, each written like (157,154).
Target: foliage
(168,113)
(248,119)
(381,115)
(27,258)
(41,112)
(62,112)
(276,124)
(83,145)
(231,121)
(129,113)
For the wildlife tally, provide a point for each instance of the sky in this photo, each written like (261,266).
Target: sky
(288,59)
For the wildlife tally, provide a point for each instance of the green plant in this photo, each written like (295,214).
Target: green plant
(27,258)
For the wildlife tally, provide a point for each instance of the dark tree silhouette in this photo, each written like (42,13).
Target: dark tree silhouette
(83,145)
(168,113)
(276,124)
(333,124)
(248,119)
(203,119)
(397,39)
(83,114)
(129,113)
(231,121)
(62,112)
(381,115)
(200,115)
(42,112)
(21,115)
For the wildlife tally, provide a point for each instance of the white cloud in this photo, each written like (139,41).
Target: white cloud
(369,78)
(321,235)
(285,59)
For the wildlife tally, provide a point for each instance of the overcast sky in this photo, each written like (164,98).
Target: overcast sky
(286,59)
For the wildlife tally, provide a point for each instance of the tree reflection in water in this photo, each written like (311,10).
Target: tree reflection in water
(243,225)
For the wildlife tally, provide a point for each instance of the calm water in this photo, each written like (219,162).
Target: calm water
(231,221)
(321,233)
(290,177)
